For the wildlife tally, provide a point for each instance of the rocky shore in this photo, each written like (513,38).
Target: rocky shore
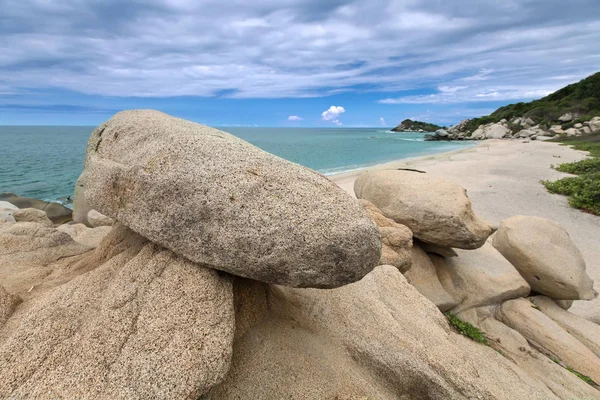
(517,128)
(199,266)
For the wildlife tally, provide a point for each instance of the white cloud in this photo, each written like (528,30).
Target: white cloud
(382,120)
(332,114)
(294,118)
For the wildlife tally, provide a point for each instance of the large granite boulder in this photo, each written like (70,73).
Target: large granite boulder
(134,320)
(544,254)
(57,213)
(437,211)
(373,339)
(220,201)
(480,277)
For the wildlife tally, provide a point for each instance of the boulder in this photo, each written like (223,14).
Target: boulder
(542,332)
(480,277)
(57,213)
(543,253)
(578,126)
(396,239)
(496,131)
(525,133)
(478,133)
(594,124)
(31,215)
(567,117)
(222,202)
(437,211)
(423,276)
(80,206)
(96,219)
(8,206)
(586,130)
(528,121)
(139,322)
(587,332)
(80,233)
(573,132)
(557,130)
(431,248)
(377,338)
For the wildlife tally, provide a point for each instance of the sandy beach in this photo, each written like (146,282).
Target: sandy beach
(502,179)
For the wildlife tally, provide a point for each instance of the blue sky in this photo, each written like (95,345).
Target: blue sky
(288,62)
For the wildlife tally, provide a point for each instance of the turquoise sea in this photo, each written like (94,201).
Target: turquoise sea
(45,161)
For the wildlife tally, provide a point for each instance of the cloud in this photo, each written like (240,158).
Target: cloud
(299,48)
(294,118)
(332,114)
(382,121)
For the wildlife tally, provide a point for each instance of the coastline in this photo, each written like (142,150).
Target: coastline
(502,179)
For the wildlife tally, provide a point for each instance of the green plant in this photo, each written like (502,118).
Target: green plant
(466,329)
(581,376)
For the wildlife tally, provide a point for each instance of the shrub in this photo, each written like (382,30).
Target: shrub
(466,329)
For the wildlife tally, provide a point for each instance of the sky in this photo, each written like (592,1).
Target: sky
(300,63)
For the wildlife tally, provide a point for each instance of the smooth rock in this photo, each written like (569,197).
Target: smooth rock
(573,132)
(96,219)
(57,213)
(31,215)
(431,248)
(594,125)
(567,117)
(578,126)
(423,276)
(140,323)
(586,130)
(545,256)
(437,211)
(377,338)
(80,233)
(543,332)
(80,206)
(220,201)
(557,130)
(496,131)
(583,330)
(8,206)
(480,277)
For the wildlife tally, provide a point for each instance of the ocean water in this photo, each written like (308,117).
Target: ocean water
(45,161)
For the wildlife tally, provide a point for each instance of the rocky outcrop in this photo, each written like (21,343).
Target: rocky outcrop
(141,323)
(57,213)
(222,202)
(96,219)
(31,215)
(80,233)
(480,277)
(436,211)
(543,253)
(415,126)
(491,131)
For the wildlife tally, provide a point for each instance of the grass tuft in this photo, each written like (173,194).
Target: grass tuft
(466,329)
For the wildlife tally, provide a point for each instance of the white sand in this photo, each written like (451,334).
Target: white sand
(503,179)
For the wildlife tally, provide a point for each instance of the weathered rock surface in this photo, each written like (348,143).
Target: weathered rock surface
(431,248)
(545,256)
(437,211)
(583,330)
(423,276)
(96,219)
(80,233)
(141,322)
(220,201)
(8,303)
(547,335)
(7,205)
(396,239)
(80,206)
(514,346)
(491,131)
(377,338)
(57,213)
(31,215)
(480,277)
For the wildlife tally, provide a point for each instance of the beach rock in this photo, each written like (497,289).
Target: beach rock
(31,215)
(496,131)
(573,132)
(141,322)
(567,117)
(522,316)
(96,219)
(480,277)
(80,206)
(377,338)
(557,130)
(431,248)
(220,201)
(587,332)
(396,239)
(437,211)
(8,303)
(8,206)
(594,124)
(586,130)
(564,304)
(80,233)
(528,121)
(543,253)
(514,346)
(57,213)
(423,276)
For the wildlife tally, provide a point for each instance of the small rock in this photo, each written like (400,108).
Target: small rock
(578,126)
(31,215)
(80,233)
(96,219)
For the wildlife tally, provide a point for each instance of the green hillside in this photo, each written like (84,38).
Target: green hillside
(581,98)
(409,125)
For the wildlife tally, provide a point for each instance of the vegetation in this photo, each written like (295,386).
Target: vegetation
(581,376)
(582,99)
(409,125)
(466,329)
(584,189)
